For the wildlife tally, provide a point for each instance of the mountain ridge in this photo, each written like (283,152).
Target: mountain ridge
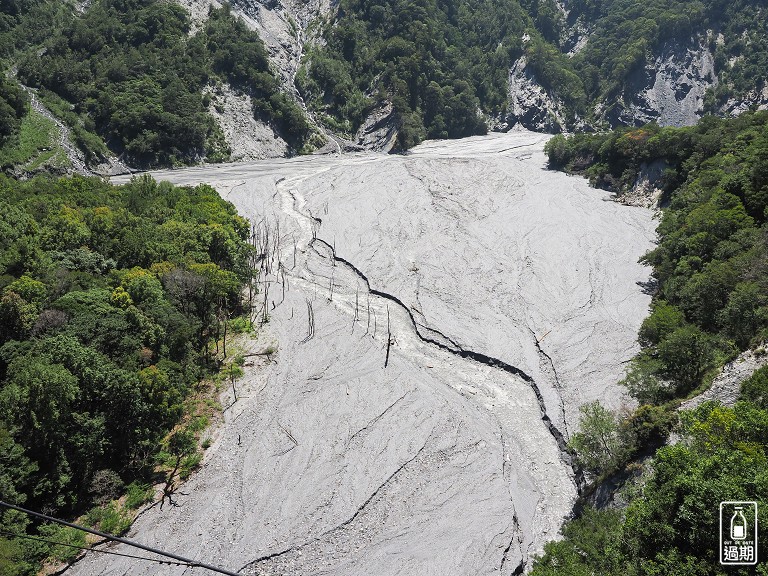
(448,68)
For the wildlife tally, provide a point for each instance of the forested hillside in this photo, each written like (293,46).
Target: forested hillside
(711,301)
(442,62)
(127,73)
(108,298)
(13,106)
(437,61)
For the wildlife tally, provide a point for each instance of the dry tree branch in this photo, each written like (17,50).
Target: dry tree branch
(310,322)
(389,339)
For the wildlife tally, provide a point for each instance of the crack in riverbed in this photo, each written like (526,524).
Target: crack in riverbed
(445,459)
(452,347)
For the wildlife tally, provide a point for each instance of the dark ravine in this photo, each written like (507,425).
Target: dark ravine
(521,565)
(566,455)
(541,352)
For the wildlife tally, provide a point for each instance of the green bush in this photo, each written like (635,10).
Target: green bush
(110,519)
(64,535)
(597,444)
(137,494)
(755,388)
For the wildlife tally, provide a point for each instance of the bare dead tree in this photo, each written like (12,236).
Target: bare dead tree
(284,281)
(374,323)
(276,243)
(224,317)
(330,297)
(368,321)
(252,261)
(310,322)
(180,445)
(266,245)
(232,382)
(219,313)
(389,339)
(293,440)
(254,315)
(265,314)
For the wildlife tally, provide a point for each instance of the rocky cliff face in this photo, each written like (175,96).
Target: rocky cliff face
(247,138)
(669,90)
(755,99)
(379,131)
(281,24)
(529,104)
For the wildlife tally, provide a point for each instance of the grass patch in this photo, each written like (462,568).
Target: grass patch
(110,519)
(242,325)
(198,423)
(138,495)
(35,139)
(189,465)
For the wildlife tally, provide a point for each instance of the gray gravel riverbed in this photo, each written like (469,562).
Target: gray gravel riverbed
(513,295)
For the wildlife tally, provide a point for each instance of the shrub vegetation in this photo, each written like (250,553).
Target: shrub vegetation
(711,302)
(108,297)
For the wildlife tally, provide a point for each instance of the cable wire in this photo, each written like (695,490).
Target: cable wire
(125,541)
(90,549)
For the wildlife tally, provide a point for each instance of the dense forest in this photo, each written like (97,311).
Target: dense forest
(108,299)
(437,61)
(710,302)
(13,107)
(442,62)
(127,73)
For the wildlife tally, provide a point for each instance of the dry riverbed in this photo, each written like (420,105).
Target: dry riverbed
(440,317)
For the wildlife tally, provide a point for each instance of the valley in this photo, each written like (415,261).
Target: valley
(442,452)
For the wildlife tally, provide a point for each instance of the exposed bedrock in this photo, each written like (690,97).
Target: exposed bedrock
(669,90)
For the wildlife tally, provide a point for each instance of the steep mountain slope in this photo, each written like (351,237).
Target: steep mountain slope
(129,74)
(378,74)
(544,65)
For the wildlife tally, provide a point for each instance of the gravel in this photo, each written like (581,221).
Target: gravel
(511,295)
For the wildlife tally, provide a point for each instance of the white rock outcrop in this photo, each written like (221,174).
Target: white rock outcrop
(726,386)
(247,138)
(670,90)
(647,190)
(529,104)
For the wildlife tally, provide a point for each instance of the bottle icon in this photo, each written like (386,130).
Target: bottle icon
(738,524)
